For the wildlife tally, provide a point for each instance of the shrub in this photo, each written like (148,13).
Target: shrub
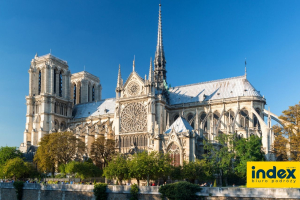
(134,192)
(100,191)
(179,191)
(18,185)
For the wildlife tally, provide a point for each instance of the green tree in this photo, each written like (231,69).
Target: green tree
(7,153)
(143,166)
(15,168)
(58,148)
(162,167)
(220,156)
(117,168)
(247,149)
(197,170)
(102,151)
(82,169)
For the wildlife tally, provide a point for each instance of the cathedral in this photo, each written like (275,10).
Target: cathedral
(145,114)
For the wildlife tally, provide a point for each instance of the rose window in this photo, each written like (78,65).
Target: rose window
(134,118)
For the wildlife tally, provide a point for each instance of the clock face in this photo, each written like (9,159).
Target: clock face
(133,89)
(134,118)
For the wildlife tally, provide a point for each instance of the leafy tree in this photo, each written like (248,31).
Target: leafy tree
(287,138)
(82,169)
(117,168)
(58,148)
(100,191)
(179,191)
(102,151)
(15,168)
(220,156)
(247,149)
(43,157)
(7,153)
(176,172)
(198,169)
(162,167)
(143,166)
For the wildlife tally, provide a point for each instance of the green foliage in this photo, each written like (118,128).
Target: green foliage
(247,150)
(100,191)
(196,170)
(220,155)
(179,191)
(7,153)
(16,168)
(82,169)
(117,168)
(59,148)
(149,166)
(102,151)
(134,192)
(18,185)
(176,172)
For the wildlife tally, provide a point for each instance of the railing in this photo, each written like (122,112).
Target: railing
(206,191)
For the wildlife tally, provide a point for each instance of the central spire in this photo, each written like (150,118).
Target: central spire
(160,61)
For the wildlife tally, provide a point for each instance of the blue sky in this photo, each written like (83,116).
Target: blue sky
(203,41)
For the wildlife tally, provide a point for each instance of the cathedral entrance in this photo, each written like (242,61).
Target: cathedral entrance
(174,152)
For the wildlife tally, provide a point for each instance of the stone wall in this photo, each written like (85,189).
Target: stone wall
(115,192)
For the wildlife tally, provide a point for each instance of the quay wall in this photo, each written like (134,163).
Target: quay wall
(115,192)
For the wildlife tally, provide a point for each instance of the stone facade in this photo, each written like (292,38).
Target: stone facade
(145,114)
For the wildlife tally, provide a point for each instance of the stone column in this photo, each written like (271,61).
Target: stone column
(51,79)
(72,92)
(78,85)
(91,93)
(30,71)
(84,91)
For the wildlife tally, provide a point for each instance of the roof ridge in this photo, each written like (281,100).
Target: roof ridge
(224,79)
(95,101)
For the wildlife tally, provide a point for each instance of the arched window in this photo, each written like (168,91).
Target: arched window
(244,120)
(175,117)
(191,119)
(40,82)
(229,117)
(174,153)
(74,97)
(202,118)
(93,93)
(54,81)
(256,122)
(216,118)
(60,84)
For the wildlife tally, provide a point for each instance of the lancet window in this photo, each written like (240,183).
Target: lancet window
(174,153)
(54,81)
(256,122)
(74,97)
(60,84)
(40,82)
(244,120)
(191,120)
(204,123)
(93,93)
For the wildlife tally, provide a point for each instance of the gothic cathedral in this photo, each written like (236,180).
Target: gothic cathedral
(145,114)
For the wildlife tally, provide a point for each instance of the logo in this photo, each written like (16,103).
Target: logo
(273,174)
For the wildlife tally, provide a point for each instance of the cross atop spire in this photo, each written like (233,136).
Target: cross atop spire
(159,60)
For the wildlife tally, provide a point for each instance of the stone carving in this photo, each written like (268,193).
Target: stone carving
(134,118)
(133,88)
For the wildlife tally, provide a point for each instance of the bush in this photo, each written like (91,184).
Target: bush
(134,192)
(18,185)
(100,191)
(179,191)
